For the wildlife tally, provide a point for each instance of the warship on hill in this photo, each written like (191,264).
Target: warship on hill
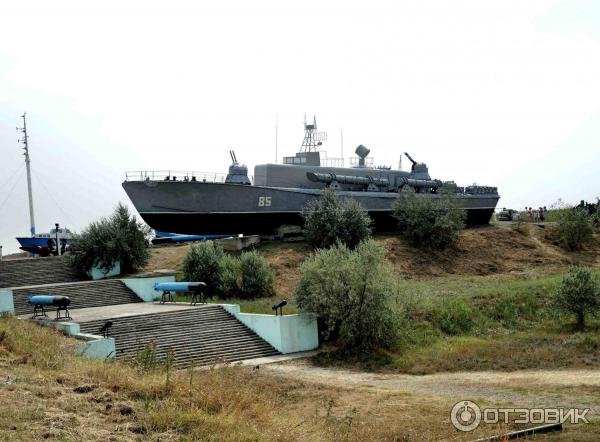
(200,203)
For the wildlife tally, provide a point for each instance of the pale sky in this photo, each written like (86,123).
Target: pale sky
(501,93)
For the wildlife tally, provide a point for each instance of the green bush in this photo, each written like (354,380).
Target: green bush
(574,228)
(351,292)
(120,237)
(510,309)
(427,223)
(329,219)
(204,262)
(256,276)
(578,294)
(229,285)
(453,316)
(226,276)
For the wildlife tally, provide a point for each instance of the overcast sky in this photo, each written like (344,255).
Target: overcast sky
(502,93)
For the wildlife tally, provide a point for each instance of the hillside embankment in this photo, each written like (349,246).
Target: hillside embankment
(489,250)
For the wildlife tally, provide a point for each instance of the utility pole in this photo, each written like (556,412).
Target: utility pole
(24,141)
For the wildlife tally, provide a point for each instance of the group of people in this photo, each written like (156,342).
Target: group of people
(538,214)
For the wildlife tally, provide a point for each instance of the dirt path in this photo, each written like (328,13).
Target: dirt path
(539,388)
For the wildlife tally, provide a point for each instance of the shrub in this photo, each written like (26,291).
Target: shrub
(248,276)
(256,276)
(204,262)
(427,223)
(350,291)
(574,228)
(509,309)
(120,237)
(229,285)
(453,316)
(328,220)
(520,222)
(578,294)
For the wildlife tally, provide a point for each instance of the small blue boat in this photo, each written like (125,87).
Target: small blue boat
(45,244)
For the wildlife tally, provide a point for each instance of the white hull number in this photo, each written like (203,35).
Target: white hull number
(264,201)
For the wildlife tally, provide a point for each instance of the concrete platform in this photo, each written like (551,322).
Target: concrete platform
(120,310)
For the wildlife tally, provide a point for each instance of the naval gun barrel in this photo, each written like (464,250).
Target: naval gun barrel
(433,184)
(410,158)
(346,179)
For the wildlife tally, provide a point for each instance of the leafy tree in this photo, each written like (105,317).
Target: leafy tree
(351,292)
(428,223)
(256,276)
(329,219)
(578,294)
(204,262)
(574,228)
(120,237)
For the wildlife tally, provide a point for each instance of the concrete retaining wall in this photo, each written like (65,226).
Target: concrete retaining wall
(7,305)
(144,287)
(287,334)
(97,273)
(93,346)
(97,347)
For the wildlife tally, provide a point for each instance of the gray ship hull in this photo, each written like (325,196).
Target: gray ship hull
(188,207)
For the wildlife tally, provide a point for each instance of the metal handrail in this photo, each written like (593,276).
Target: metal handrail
(174,175)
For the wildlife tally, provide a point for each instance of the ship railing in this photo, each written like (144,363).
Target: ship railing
(174,175)
(355,161)
(332,162)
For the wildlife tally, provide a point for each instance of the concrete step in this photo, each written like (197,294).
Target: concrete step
(201,335)
(207,358)
(82,294)
(32,271)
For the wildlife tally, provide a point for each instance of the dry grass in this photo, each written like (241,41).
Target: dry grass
(49,393)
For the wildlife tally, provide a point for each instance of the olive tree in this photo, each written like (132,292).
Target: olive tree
(329,219)
(428,223)
(578,294)
(351,292)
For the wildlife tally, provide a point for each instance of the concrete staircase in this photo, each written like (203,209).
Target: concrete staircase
(82,294)
(32,271)
(197,335)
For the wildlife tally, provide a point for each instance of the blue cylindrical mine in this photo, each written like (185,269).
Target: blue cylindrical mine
(50,300)
(179,286)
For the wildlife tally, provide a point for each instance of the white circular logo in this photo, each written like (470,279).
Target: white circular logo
(465,415)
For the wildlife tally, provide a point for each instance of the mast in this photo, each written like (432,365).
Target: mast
(24,141)
(312,139)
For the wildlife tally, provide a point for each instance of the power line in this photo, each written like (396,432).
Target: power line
(68,218)
(12,175)
(11,190)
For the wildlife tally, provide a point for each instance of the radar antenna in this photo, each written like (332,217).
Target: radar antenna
(312,138)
